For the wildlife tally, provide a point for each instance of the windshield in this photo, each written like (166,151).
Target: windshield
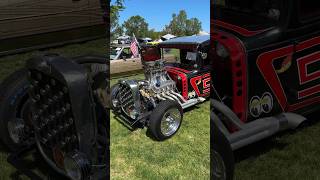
(269,9)
(114,51)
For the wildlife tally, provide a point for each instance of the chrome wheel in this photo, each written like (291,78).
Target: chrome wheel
(170,122)
(218,169)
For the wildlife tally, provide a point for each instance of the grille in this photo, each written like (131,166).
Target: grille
(52,114)
(126,99)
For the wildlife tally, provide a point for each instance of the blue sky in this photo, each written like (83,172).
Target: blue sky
(158,13)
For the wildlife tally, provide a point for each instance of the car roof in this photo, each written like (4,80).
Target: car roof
(194,41)
(187,40)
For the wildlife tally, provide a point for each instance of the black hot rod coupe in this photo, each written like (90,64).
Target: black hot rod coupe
(58,106)
(158,101)
(266,72)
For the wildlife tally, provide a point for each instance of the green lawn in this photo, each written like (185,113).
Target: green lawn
(291,155)
(185,156)
(9,64)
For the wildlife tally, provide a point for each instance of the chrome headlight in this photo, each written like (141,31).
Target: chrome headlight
(133,114)
(221,50)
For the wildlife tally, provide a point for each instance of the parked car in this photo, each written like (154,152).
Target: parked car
(122,60)
(120,51)
(158,101)
(59,107)
(266,72)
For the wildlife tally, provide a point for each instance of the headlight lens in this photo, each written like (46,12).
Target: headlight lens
(221,50)
(133,113)
(77,166)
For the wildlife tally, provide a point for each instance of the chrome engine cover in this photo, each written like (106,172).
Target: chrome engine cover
(157,77)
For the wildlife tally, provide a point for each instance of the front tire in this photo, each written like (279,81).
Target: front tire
(221,156)
(14,110)
(165,120)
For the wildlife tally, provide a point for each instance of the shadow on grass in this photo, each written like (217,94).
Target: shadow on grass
(262,147)
(255,150)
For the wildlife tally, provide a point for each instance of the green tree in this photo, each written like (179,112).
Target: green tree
(193,26)
(180,25)
(115,8)
(136,25)
(153,34)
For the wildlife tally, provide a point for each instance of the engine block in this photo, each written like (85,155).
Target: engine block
(157,78)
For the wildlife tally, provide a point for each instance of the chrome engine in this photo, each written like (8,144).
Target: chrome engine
(158,84)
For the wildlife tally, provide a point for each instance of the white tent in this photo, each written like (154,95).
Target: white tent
(123,37)
(203,33)
(167,37)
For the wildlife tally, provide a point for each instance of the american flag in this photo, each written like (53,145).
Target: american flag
(134,47)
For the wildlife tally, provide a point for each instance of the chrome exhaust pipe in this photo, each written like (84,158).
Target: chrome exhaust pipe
(256,130)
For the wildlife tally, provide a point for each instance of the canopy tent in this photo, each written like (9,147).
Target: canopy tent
(167,37)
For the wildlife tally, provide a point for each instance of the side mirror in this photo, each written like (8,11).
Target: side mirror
(124,58)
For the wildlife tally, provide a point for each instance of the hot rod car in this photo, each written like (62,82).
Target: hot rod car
(158,101)
(58,106)
(266,72)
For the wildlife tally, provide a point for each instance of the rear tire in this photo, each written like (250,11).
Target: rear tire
(165,120)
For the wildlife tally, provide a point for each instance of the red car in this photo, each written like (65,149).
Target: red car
(266,73)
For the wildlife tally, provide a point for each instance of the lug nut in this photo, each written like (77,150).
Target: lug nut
(70,121)
(43,92)
(47,87)
(55,98)
(35,82)
(58,113)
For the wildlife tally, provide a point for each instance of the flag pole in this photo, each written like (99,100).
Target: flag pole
(135,39)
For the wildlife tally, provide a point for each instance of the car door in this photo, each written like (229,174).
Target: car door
(305,82)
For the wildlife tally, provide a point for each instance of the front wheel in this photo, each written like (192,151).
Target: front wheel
(165,120)
(14,110)
(221,155)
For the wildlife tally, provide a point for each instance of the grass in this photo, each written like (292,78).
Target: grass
(290,155)
(9,64)
(134,155)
